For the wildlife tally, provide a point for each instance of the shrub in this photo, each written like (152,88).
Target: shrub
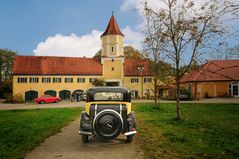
(99,82)
(15,99)
(6,89)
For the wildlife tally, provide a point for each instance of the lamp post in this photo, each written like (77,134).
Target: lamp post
(141,69)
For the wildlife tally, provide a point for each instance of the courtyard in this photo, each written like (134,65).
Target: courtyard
(208,130)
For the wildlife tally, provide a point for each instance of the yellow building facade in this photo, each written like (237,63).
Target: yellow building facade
(216,78)
(34,76)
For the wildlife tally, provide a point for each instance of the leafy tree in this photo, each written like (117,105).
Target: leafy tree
(6,89)
(181,31)
(132,53)
(99,82)
(6,64)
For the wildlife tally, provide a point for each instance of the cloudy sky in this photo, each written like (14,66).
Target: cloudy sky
(67,27)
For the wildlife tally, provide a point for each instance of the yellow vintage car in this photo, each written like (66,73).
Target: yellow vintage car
(108,114)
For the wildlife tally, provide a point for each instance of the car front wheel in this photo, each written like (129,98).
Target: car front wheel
(42,101)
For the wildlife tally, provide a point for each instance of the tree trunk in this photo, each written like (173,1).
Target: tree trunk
(178,101)
(155,92)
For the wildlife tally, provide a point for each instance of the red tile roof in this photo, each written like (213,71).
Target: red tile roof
(48,65)
(112,28)
(131,67)
(216,70)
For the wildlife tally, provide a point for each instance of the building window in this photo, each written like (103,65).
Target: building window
(68,80)
(147,80)
(112,60)
(21,80)
(134,80)
(81,80)
(112,49)
(112,69)
(46,80)
(57,80)
(34,79)
(92,80)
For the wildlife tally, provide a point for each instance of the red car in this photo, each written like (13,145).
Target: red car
(47,99)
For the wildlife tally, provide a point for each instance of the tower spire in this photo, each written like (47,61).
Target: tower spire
(112,27)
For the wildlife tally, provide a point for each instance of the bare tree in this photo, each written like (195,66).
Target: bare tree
(182,31)
(223,51)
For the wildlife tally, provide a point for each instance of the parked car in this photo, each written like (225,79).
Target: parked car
(47,99)
(183,97)
(108,114)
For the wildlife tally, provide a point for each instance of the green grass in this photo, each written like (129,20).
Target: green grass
(22,130)
(206,131)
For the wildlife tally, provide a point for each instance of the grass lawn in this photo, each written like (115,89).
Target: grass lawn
(207,131)
(21,130)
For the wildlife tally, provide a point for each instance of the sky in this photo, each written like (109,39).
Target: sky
(67,27)
(64,27)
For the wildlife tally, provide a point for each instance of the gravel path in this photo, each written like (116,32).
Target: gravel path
(68,145)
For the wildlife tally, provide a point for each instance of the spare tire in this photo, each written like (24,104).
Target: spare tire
(108,124)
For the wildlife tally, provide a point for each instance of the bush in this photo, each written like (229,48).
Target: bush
(6,89)
(99,82)
(15,99)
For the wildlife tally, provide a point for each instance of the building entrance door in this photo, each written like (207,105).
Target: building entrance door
(65,94)
(30,95)
(235,89)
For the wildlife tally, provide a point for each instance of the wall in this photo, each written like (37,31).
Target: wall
(115,41)
(138,86)
(42,87)
(108,64)
(214,89)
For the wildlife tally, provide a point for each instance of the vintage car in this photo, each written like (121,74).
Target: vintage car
(47,99)
(108,114)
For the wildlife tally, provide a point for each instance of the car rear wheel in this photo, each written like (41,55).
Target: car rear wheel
(108,124)
(85,138)
(57,101)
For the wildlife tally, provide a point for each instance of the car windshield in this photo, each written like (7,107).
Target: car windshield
(111,96)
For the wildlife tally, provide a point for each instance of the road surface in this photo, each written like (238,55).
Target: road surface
(68,145)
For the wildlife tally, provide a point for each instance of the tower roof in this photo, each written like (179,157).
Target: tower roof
(112,28)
